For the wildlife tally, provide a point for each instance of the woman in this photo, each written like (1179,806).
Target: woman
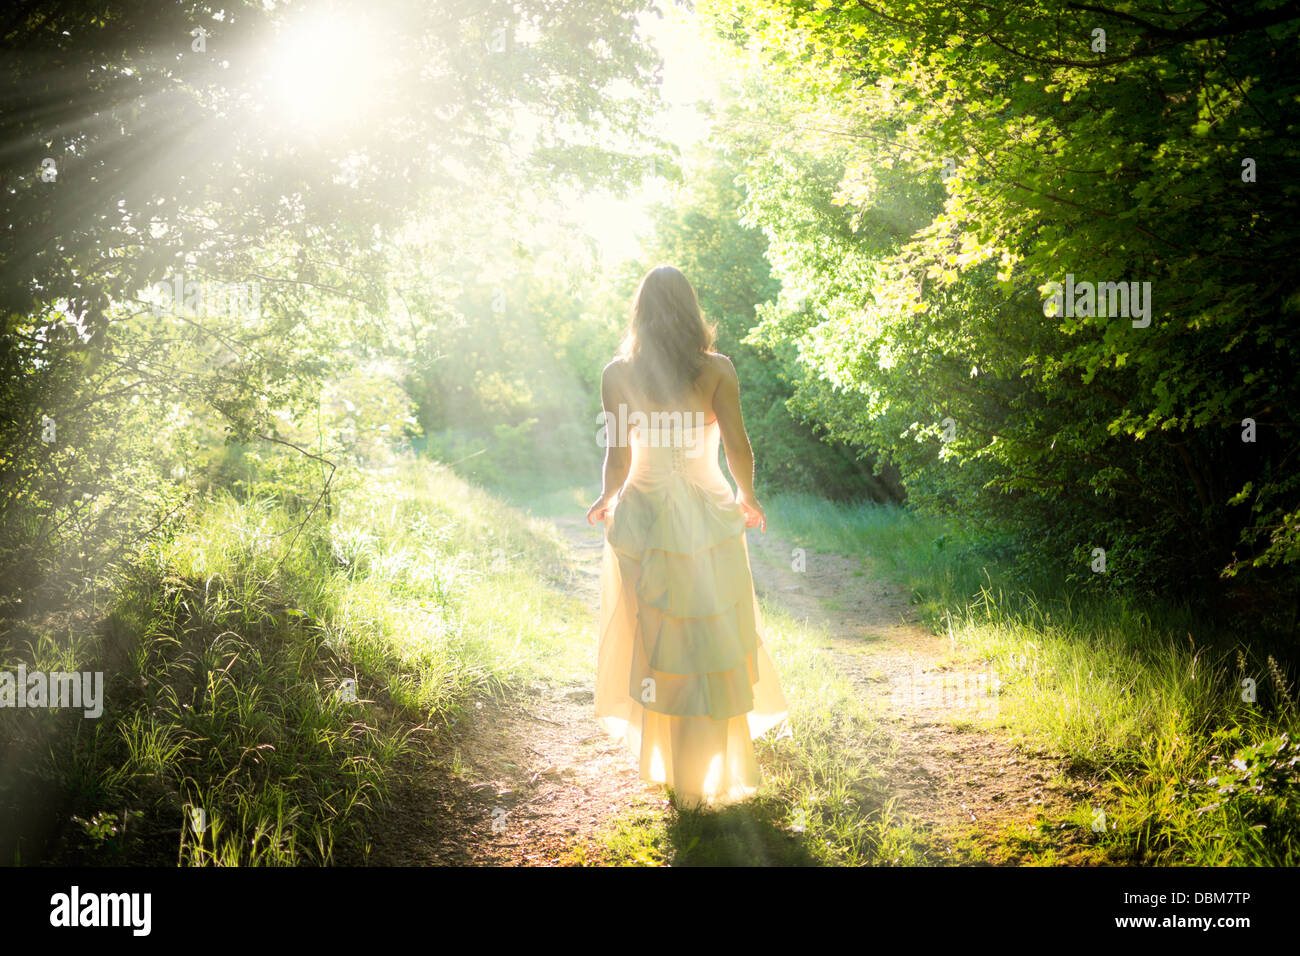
(683,678)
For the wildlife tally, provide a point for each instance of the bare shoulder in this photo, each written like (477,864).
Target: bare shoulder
(614,371)
(613,382)
(721,365)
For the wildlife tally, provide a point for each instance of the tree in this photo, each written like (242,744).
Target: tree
(970,156)
(145,153)
(701,233)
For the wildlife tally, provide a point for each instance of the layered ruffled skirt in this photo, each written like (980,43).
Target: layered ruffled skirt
(683,678)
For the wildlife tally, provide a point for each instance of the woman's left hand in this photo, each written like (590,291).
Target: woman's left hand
(599,511)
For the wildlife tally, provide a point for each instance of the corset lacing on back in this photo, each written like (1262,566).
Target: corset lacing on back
(690,451)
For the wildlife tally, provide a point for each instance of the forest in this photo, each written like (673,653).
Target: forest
(306,307)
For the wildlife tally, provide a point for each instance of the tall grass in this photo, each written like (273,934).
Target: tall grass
(266,683)
(1196,727)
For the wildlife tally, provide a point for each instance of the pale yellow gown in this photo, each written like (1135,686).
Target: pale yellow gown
(683,678)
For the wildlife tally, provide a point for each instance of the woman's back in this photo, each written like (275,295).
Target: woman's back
(713,397)
(633,390)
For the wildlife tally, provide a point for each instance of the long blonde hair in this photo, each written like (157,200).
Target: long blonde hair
(667,337)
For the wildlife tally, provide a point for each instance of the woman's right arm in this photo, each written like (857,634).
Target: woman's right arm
(735,442)
(618,457)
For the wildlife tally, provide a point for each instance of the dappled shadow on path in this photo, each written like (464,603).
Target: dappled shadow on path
(743,835)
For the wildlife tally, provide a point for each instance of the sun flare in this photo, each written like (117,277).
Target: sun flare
(324,69)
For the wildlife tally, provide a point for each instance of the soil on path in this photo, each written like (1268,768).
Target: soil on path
(524,781)
(961,782)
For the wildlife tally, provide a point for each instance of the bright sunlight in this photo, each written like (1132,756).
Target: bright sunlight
(325,68)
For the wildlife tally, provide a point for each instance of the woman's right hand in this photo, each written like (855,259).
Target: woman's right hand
(754,516)
(600,510)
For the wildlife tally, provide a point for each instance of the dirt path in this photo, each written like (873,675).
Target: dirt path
(544,774)
(960,781)
(525,781)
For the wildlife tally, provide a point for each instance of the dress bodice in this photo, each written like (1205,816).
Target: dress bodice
(670,447)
